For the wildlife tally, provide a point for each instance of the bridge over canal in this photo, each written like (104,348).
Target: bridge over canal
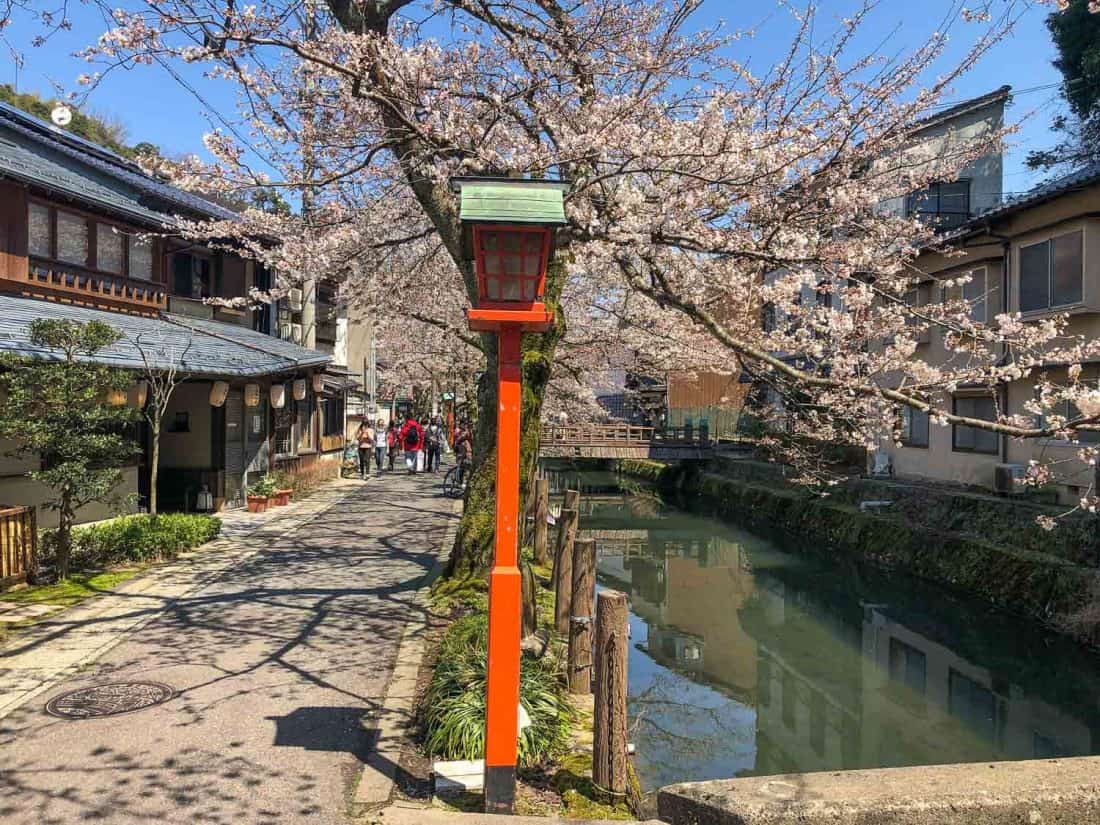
(624,441)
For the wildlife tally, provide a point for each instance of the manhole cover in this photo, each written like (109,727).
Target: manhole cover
(108,700)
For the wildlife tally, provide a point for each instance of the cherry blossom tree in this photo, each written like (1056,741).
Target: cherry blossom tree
(704,192)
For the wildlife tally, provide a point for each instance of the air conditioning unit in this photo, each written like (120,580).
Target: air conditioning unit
(296,333)
(1005,476)
(294,299)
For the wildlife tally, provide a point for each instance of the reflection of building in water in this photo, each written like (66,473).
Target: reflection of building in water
(841,687)
(688,590)
(920,692)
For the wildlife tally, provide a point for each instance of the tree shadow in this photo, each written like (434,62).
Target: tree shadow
(276,662)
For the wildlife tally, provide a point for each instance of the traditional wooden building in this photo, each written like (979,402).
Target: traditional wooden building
(85,234)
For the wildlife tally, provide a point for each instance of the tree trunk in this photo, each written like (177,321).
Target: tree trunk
(154,464)
(472,554)
(65,518)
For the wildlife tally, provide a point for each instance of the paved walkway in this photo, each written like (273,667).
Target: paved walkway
(278,641)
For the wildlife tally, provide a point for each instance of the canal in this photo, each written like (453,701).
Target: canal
(751,658)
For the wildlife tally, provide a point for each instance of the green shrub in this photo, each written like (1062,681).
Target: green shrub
(142,538)
(264,486)
(453,709)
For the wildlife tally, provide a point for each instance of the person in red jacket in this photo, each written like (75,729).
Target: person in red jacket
(411,439)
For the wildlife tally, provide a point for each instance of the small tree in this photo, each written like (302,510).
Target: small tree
(162,372)
(59,410)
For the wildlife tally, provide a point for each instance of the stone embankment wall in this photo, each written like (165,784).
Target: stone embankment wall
(1037,792)
(976,544)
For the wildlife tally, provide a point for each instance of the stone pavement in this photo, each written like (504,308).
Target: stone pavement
(278,641)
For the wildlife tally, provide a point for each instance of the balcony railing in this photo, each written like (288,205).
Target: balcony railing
(90,288)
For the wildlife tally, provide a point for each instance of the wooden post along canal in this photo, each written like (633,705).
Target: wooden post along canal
(609,746)
(542,510)
(563,562)
(582,613)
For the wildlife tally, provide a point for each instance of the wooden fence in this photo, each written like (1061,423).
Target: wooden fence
(18,544)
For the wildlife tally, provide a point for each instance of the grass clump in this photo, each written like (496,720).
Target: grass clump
(453,709)
(75,589)
(140,538)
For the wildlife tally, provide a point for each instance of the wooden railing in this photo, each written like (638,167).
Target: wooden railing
(18,544)
(621,435)
(90,288)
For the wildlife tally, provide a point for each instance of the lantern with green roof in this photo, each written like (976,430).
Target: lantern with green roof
(509,225)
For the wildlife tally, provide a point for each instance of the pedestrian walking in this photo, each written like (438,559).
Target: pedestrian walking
(464,450)
(380,445)
(392,443)
(364,437)
(433,438)
(411,438)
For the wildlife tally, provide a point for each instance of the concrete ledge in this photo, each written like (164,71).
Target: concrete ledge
(1037,792)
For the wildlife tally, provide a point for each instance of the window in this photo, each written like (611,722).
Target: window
(908,666)
(72,238)
(1051,273)
(333,410)
(1069,411)
(973,704)
(65,236)
(305,423)
(141,258)
(284,427)
(108,248)
(971,439)
(942,205)
(914,427)
(38,221)
(190,275)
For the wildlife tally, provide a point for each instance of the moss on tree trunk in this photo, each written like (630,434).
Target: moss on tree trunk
(472,554)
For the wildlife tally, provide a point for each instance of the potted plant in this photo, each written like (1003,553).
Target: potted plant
(259,494)
(283,489)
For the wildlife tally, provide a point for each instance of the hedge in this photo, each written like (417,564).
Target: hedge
(142,538)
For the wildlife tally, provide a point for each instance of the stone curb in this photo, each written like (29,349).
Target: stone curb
(234,551)
(379,774)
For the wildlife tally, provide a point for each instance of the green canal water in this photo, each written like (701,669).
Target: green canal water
(751,658)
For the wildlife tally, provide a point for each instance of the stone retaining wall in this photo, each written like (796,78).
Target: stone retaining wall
(1037,792)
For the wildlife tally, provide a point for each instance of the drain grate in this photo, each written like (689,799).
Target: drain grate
(108,700)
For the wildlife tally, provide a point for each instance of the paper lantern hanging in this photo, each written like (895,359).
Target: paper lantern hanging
(318,382)
(252,395)
(116,398)
(278,396)
(138,395)
(219,391)
(300,389)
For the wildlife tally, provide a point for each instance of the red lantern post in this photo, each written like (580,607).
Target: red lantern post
(510,235)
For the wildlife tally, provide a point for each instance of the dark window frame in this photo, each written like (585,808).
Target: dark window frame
(995,449)
(906,432)
(927,204)
(91,224)
(1049,244)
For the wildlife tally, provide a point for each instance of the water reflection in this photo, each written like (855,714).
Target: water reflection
(750,660)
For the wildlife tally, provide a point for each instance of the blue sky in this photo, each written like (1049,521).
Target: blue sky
(156,107)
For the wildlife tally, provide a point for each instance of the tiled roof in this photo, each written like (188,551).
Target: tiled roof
(35,152)
(202,348)
(998,94)
(1085,176)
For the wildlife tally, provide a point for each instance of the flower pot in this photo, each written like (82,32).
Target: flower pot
(257,504)
(281,498)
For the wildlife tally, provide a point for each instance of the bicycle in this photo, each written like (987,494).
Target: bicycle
(454,482)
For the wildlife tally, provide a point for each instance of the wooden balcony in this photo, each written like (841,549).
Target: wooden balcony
(73,285)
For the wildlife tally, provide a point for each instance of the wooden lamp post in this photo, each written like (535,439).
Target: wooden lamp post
(508,232)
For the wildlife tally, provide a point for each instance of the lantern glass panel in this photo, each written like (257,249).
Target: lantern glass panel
(510,263)
(492,264)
